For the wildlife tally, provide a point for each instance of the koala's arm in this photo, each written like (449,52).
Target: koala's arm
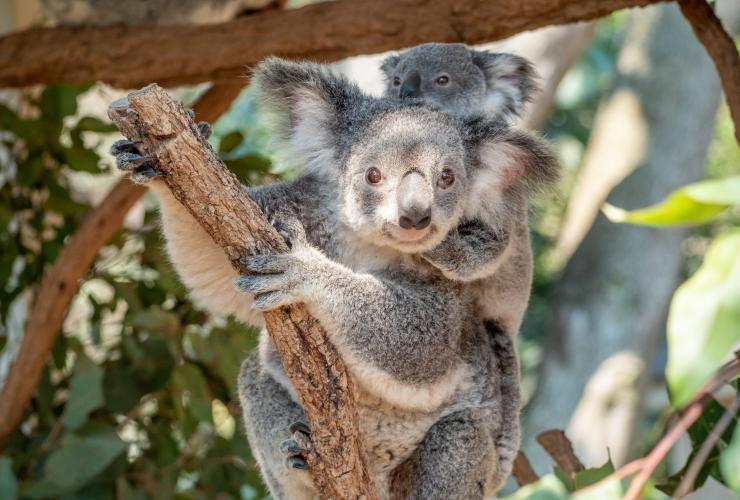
(201,264)
(471,251)
(396,332)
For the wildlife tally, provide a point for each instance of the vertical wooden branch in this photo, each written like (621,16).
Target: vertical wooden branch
(720,46)
(201,182)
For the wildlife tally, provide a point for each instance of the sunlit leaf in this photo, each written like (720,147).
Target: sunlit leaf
(730,463)
(547,488)
(693,204)
(85,393)
(703,319)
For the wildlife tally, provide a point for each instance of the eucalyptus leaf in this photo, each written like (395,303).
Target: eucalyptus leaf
(729,463)
(80,459)
(8,483)
(85,394)
(690,205)
(547,488)
(591,476)
(703,320)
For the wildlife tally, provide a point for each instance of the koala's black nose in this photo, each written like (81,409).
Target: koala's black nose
(416,219)
(411,86)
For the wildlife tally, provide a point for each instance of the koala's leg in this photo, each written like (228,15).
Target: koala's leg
(274,425)
(507,436)
(470,251)
(456,460)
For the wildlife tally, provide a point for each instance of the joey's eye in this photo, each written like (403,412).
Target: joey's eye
(396,81)
(446,178)
(373,175)
(442,80)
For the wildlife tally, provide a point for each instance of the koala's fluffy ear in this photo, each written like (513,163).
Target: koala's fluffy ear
(513,159)
(510,81)
(306,103)
(389,64)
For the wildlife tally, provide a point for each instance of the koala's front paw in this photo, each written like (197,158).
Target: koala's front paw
(444,255)
(278,280)
(297,446)
(131,158)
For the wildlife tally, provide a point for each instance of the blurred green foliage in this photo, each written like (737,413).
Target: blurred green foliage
(137,400)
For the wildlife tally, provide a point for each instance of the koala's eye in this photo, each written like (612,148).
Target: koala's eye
(396,81)
(442,80)
(446,178)
(373,175)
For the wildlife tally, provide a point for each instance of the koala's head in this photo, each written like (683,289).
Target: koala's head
(403,171)
(462,80)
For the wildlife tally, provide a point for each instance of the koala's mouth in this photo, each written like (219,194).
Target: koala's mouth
(409,239)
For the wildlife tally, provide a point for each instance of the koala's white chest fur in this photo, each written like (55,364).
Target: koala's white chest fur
(391,434)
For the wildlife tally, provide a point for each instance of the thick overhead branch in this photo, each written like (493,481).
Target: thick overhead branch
(62,280)
(708,29)
(219,203)
(129,57)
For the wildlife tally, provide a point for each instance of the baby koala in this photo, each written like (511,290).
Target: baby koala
(490,247)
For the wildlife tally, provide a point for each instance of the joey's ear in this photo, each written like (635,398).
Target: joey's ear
(389,65)
(306,102)
(510,81)
(517,159)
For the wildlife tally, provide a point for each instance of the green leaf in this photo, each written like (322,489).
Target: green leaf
(729,463)
(249,167)
(547,488)
(80,459)
(693,204)
(81,159)
(230,141)
(92,124)
(58,101)
(607,490)
(8,483)
(703,319)
(85,394)
(588,477)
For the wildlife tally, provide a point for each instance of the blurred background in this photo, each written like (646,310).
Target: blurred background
(138,397)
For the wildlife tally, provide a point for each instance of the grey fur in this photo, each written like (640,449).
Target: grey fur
(438,387)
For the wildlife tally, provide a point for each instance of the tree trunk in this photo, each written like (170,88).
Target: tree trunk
(613,296)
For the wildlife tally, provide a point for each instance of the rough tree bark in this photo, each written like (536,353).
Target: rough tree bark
(202,183)
(62,280)
(123,56)
(614,293)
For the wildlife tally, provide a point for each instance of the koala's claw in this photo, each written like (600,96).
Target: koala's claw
(125,146)
(297,446)
(204,129)
(300,427)
(130,162)
(145,173)
(296,463)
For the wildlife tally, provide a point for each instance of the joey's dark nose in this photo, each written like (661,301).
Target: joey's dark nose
(415,219)
(411,86)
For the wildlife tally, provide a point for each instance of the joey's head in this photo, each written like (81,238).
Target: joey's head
(462,80)
(402,170)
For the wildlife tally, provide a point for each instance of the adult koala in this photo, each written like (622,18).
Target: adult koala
(386,180)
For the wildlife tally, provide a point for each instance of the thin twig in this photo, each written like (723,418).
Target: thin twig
(689,415)
(687,483)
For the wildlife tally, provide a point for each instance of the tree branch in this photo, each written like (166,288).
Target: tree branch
(129,57)
(61,282)
(720,46)
(219,203)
